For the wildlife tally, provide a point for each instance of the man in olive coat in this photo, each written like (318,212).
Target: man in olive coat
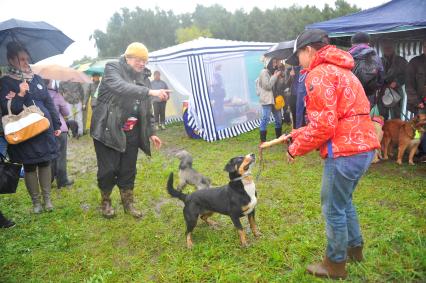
(122,123)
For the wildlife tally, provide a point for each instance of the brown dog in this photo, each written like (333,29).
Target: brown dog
(402,133)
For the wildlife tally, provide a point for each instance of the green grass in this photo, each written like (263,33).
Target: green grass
(75,244)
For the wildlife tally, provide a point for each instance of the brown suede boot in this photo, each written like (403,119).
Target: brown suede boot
(127,200)
(328,269)
(106,206)
(355,254)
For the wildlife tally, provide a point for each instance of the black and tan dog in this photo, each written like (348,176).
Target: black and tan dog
(237,199)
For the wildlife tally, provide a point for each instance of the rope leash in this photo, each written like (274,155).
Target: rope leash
(261,164)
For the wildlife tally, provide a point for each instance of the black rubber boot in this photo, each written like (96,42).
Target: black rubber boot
(278,132)
(5,223)
(262,136)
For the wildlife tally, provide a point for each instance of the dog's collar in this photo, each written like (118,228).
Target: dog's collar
(240,178)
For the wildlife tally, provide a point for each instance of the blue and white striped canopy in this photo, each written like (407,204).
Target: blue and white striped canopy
(238,63)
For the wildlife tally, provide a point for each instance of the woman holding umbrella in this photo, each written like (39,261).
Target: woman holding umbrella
(24,88)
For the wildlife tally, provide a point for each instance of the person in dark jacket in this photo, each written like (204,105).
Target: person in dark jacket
(23,88)
(416,92)
(122,122)
(361,50)
(159,106)
(4,222)
(395,68)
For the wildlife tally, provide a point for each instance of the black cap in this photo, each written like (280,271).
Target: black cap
(360,37)
(304,39)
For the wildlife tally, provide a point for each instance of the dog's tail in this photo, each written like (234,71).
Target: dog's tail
(172,191)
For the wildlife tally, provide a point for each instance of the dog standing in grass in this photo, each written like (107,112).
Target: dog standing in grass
(189,176)
(403,134)
(238,198)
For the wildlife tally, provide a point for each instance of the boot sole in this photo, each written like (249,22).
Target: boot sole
(326,276)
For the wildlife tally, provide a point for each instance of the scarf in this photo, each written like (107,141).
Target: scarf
(18,74)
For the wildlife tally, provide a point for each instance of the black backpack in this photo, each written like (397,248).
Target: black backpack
(366,69)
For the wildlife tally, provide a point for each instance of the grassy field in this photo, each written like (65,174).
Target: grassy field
(75,244)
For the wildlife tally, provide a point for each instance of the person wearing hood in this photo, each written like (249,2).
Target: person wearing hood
(122,122)
(270,79)
(361,50)
(339,126)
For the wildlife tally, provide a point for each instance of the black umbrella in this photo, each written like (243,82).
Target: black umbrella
(281,50)
(39,38)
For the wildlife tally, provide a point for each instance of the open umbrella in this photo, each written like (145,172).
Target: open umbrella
(39,38)
(281,50)
(98,66)
(60,73)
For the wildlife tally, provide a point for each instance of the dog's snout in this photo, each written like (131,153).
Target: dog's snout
(253,156)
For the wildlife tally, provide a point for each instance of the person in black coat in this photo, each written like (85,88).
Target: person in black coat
(4,222)
(23,88)
(122,122)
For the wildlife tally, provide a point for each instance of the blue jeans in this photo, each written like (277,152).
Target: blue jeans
(340,178)
(266,113)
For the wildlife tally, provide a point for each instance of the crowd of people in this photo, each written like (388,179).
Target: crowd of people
(338,90)
(44,157)
(330,105)
(392,73)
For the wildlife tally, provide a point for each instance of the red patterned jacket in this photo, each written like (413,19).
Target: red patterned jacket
(337,108)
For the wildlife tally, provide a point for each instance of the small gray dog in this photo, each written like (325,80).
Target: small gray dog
(187,175)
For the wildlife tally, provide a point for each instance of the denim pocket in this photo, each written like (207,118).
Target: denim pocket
(353,167)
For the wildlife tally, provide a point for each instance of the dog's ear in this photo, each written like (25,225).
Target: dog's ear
(230,166)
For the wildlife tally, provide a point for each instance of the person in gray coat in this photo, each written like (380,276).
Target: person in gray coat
(122,122)
(270,80)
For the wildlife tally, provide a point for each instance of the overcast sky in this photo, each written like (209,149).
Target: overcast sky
(79,18)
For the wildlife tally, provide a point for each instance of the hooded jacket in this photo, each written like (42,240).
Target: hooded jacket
(337,108)
(122,93)
(362,50)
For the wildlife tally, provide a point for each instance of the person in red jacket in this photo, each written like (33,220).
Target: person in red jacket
(340,127)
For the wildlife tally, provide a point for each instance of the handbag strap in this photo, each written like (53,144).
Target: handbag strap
(9,106)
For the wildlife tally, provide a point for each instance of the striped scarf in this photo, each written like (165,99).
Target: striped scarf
(18,74)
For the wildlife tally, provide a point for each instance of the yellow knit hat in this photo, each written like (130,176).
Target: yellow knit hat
(138,50)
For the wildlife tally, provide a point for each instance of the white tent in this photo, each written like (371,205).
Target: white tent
(217,77)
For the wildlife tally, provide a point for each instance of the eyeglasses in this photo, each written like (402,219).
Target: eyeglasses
(137,60)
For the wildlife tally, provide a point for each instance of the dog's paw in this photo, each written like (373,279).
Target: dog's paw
(411,163)
(245,245)
(385,157)
(399,162)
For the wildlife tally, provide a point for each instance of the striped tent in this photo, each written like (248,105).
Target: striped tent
(217,77)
